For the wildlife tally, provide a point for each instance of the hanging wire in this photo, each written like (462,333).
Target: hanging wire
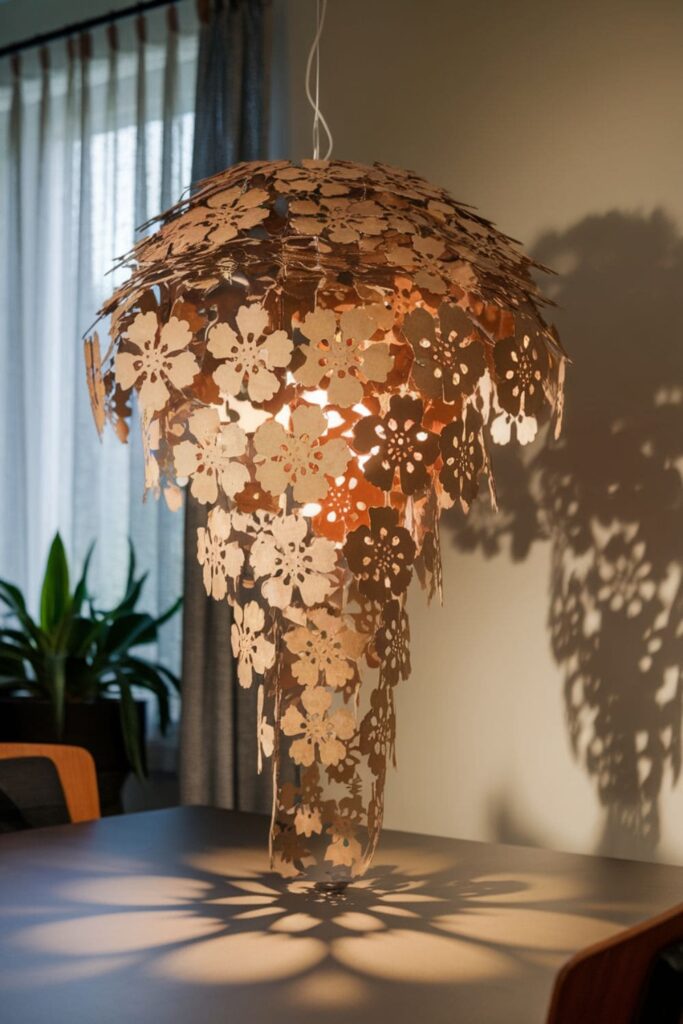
(314,99)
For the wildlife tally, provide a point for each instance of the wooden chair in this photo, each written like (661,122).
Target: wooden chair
(76,770)
(607,982)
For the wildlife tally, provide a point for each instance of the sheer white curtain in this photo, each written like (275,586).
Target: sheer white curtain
(97,136)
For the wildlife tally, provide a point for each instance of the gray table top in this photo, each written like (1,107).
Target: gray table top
(172,917)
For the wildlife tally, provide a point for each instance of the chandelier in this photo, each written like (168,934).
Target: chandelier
(325,354)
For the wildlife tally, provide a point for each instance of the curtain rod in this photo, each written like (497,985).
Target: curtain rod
(82,26)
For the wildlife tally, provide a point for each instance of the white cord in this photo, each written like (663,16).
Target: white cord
(318,119)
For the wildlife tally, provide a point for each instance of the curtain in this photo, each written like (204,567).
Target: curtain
(97,135)
(218,718)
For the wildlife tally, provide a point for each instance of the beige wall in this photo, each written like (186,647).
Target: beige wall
(541,114)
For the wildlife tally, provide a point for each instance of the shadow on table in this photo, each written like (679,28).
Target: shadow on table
(438,922)
(607,497)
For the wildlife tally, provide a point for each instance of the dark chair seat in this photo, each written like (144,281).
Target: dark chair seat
(31,795)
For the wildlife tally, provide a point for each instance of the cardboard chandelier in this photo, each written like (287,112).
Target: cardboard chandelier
(325,353)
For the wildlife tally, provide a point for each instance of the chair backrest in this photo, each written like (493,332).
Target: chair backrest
(76,770)
(607,981)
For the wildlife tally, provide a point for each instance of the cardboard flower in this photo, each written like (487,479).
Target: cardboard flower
(234,210)
(222,559)
(378,730)
(344,848)
(449,354)
(347,504)
(289,562)
(342,220)
(397,443)
(328,179)
(249,354)
(381,555)
(302,458)
(342,355)
(392,643)
(521,368)
(209,460)
(325,647)
(463,457)
(253,651)
(265,737)
(156,360)
(322,733)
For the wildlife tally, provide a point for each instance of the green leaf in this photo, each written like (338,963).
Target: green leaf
(126,632)
(168,614)
(56,680)
(12,597)
(17,653)
(81,591)
(84,635)
(55,597)
(142,674)
(130,598)
(130,728)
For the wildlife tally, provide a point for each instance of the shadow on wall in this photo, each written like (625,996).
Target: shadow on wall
(607,497)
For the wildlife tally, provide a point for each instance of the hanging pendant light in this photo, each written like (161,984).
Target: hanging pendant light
(325,352)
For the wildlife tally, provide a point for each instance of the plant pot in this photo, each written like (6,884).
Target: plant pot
(95,726)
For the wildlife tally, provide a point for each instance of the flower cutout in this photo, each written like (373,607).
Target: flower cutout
(347,504)
(253,651)
(325,645)
(463,457)
(249,354)
(158,360)
(322,734)
(381,556)
(427,260)
(392,643)
(302,459)
(344,848)
(308,820)
(288,561)
(221,558)
(210,460)
(342,355)
(234,210)
(341,220)
(265,737)
(449,356)
(378,730)
(317,176)
(522,365)
(397,443)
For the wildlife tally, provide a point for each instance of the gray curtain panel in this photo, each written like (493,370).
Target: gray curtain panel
(218,717)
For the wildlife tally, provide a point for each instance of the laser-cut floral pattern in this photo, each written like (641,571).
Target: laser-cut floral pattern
(254,653)
(341,354)
(325,647)
(248,354)
(155,360)
(381,555)
(449,353)
(322,731)
(210,459)
(301,458)
(398,444)
(462,457)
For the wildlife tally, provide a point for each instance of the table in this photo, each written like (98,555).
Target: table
(172,917)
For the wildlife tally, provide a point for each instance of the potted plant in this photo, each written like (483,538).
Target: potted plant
(69,676)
